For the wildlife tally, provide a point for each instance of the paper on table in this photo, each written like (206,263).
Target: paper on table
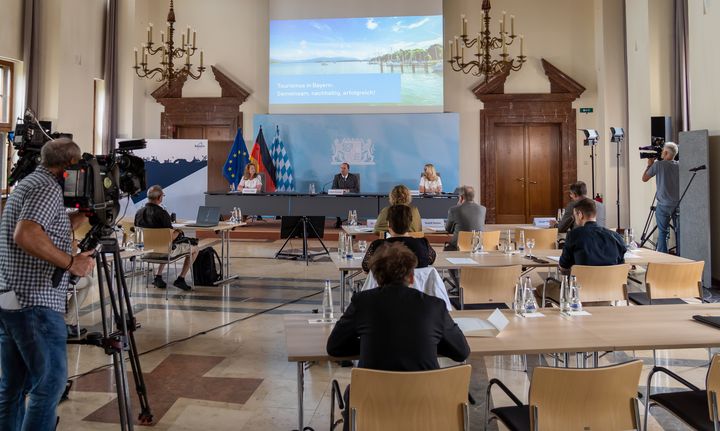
(474,327)
(631,255)
(363,229)
(577,313)
(461,261)
(183,224)
(532,315)
(555,258)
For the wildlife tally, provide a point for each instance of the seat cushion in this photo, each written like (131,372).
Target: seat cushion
(487,306)
(690,406)
(641,298)
(516,418)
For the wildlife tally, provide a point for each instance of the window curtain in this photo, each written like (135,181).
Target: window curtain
(110,77)
(682,82)
(31,53)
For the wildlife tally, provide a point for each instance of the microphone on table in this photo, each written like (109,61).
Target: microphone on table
(698,168)
(325,185)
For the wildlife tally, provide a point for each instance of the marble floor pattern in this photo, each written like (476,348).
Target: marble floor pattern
(214,358)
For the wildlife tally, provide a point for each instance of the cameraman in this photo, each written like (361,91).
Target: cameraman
(668,194)
(35,240)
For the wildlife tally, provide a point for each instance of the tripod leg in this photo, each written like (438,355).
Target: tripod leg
(292,233)
(317,235)
(305,241)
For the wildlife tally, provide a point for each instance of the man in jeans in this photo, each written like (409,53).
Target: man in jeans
(667,174)
(35,240)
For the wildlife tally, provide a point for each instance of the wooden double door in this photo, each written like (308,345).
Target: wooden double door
(528,171)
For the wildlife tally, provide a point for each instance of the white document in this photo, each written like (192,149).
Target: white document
(364,229)
(533,315)
(576,313)
(474,327)
(461,261)
(554,258)
(631,255)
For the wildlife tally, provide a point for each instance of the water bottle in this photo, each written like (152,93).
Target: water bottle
(327,304)
(521,243)
(341,244)
(559,214)
(632,245)
(139,239)
(348,247)
(575,304)
(519,302)
(312,188)
(530,303)
(564,294)
(626,238)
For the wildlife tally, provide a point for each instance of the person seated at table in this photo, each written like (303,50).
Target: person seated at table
(346,181)
(589,243)
(430,181)
(250,178)
(394,327)
(399,219)
(465,216)
(399,195)
(153,216)
(578,192)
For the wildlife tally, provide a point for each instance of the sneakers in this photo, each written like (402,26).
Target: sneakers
(181,284)
(159,282)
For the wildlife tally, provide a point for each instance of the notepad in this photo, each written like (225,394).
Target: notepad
(576,313)
(490,327)
(461,261)
(554,258)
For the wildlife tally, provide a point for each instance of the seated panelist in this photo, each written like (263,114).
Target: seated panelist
(399,195)
(345,180)
(250,178)
(430,181)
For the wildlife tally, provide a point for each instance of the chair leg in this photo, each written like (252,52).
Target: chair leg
(167,269)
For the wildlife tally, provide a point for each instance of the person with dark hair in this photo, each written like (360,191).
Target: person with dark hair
(578,191)
(399,195)
(36,261)
(345,181)
(588,243)
(395,327)
(465,216)
(399,219)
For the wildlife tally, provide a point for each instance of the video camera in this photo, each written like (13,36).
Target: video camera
(28,139)
(654,150)
(96,184)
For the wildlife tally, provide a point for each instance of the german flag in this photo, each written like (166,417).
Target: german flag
(260,154)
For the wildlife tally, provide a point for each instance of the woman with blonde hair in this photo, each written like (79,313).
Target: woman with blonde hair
(250,178)
(399,195)
(430,181)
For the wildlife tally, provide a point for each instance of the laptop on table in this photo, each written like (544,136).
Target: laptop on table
(206,217)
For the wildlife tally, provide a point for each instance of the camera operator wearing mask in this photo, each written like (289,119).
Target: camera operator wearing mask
(668,194)
(35,240)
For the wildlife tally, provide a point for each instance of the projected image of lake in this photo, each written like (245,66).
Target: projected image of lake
(373,61)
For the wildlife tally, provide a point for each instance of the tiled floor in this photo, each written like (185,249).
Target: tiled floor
(229,371)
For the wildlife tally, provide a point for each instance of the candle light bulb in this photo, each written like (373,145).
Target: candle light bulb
(522,39)
(512,25)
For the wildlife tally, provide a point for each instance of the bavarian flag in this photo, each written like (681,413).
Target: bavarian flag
(236,161)
(260,155)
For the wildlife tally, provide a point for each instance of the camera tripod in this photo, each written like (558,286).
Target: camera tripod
(116,342)
(302,226)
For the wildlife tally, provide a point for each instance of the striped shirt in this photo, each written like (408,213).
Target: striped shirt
(37,198)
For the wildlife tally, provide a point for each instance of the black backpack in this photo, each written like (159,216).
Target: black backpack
(207,268)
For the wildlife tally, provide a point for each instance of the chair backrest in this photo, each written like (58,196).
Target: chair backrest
(585,398)
(674,280)
(159,240)
(544,238)
(262,178)
(712,385)
(423,400)
(488,285)
(490,240)
(427,280)
(602,283)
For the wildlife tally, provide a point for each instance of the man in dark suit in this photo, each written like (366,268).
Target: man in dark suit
(578,192)
(395,327)
(465,216)
(345,180)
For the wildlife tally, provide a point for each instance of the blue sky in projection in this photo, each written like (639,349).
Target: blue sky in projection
(351,38)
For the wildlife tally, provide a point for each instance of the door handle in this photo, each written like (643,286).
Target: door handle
(520,179)
(533,182)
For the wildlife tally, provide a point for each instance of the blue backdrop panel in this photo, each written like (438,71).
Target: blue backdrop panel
(385,149)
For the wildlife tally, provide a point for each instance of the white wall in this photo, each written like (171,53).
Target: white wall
(11,29)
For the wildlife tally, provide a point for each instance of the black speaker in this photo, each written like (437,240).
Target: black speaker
(661,127)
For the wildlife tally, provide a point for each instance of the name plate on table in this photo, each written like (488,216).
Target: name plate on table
(414,192)
(474,327)
(249,191)
(542,222)
(336,191)
(435,224)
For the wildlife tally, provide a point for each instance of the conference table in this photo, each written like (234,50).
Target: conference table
(367,205)
(223,228)
(605,329)
(545,258)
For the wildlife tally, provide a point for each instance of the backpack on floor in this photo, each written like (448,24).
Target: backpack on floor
(207,268)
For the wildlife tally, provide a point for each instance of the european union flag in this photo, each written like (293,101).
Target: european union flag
(236,161)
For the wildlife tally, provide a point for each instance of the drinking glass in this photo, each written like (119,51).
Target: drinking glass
(312,188)
(477,242)
(362,246)
(530,245)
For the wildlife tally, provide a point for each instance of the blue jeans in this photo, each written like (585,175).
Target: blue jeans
(33,359)
(663,214)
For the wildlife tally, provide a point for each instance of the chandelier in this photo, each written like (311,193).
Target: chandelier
(484,44)
(168,53)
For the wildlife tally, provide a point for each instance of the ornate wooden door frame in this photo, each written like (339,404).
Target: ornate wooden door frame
(548,108)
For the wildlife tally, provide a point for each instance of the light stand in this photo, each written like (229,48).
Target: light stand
(618,136)
(591,139)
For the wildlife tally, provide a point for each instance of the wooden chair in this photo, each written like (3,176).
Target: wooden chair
(667,283)
(404,401)
(599,283)
(482,286)
(574,399)
(490,240)
(544,238)
(698,408)
(160,241)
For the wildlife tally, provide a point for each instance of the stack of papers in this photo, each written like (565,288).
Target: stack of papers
(461,261)
(475,327)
